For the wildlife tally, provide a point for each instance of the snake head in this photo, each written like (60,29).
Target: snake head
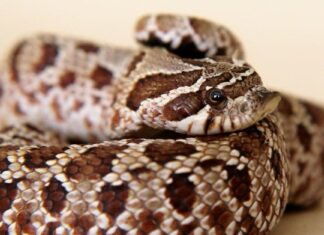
(203,96)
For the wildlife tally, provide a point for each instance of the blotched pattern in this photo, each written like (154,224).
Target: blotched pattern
(236,182)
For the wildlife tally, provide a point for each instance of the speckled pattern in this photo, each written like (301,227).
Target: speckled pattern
(231,168)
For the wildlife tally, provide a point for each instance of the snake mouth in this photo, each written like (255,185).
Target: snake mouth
(267,102)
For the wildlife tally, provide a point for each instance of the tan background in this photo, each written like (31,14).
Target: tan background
(284,41)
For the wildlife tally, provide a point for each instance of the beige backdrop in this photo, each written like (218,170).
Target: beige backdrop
(284,41)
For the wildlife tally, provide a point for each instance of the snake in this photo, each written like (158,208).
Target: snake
(178,136)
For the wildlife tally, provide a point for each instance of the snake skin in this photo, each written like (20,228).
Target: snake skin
(231,169)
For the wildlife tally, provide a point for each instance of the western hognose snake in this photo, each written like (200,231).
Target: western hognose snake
(198,146)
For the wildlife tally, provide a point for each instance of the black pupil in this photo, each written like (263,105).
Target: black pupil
(216,96)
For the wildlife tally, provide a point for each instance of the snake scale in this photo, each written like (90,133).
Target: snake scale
(177,137)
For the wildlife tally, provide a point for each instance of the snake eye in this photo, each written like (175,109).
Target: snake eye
(216,99)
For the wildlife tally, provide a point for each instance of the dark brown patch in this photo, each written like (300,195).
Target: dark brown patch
(49,54)
(187,48)
(88,47)
(163,152)
(183,106)
(305,138)
(67,79)
(37,157)
(44,87)
(94,163)
(181,193)
(266,202)
(155,85)
(248,224)
(285,107)
(84,223)
(239,182)
(113,199)
(148,221)
(137,59)
(140,170)
(189,228)
(315,111)
(8,192)
(115,119)
(25,224)
(101,77)
(56,109)
(51,228)
(33,128)
(276,164)
(207,164)
(209,122)
(77,105)
(240,87)
(4,150)
(220,217)
(54,196)
(14,61)
(250,143)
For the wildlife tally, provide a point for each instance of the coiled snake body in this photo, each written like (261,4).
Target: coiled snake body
(199,149)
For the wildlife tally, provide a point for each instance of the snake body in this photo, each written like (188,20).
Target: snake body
(198,148)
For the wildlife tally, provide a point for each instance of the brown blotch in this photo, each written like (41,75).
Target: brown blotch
(148,221)
(8,192)
(188,228)
(77,105)
(94,163)
(66,79)
(88,47)
(33,128)
(285,107)
(239,182)
(44,87)
(113,199)
(276,164)
(14,61)
(163,152)
(181,193)
(25,224)
(266,202)
(49,54)
(101,76)
(137,59)
(207,164)
(84,223)
(155,85)
(37,157)
(220,217)
(248,224)
(183,106)
(51,227)
(250,142)
(54,196)
(305,138)
(315,111)
(4,150)
(56,109)
(115,119)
